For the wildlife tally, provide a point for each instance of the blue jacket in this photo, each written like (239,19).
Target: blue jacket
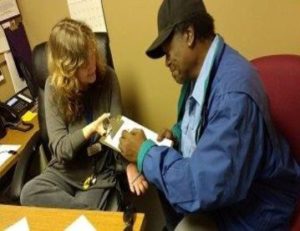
(241,171)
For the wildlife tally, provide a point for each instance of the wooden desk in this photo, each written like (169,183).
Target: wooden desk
(58,219)
(17,137)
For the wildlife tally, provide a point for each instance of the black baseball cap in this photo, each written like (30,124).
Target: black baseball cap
(171,13)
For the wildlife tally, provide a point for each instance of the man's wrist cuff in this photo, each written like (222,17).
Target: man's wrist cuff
(176,131)
(145,147)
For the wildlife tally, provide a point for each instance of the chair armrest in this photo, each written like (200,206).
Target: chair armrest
(43,158)
(22,166)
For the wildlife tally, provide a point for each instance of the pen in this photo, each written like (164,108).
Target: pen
(8,151)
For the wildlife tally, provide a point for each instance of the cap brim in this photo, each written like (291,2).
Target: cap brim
(155,50)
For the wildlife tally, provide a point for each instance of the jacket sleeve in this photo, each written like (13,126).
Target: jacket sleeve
(223,165)
(63,145)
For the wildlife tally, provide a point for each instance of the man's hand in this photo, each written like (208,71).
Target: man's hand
(130,143)
(165,133)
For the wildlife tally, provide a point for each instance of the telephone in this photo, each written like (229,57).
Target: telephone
(8,113)
(10,118)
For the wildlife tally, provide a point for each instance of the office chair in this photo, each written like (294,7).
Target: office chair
(38,150)
(280,75)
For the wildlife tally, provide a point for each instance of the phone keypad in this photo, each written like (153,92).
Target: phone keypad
(20,106)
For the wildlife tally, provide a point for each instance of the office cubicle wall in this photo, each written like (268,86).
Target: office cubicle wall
(148,90)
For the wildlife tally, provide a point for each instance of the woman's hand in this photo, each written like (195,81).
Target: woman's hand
(100,126)
(137,182)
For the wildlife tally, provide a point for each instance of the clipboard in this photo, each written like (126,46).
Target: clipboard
(119,123)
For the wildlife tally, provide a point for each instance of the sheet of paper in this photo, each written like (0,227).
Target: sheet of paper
(18,83)
(3,41)
(1,76)
(129,125)
(4,151)
(81,223)
(21,225)
(88,11)
(8,9)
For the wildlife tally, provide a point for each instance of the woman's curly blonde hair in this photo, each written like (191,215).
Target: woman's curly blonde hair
(69,46)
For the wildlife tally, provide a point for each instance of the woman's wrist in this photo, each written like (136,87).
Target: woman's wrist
(89,130)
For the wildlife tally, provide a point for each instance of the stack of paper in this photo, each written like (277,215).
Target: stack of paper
(6,151)
(81,223)
(21,225)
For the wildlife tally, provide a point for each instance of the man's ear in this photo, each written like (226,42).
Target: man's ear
(190,36)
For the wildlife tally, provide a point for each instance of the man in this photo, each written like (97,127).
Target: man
(227,160)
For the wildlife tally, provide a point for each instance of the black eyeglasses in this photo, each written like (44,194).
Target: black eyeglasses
(129,217)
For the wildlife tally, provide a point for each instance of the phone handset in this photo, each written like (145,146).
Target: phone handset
(12,120)
(8,113)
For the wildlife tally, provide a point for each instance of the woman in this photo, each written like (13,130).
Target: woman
(79,92)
